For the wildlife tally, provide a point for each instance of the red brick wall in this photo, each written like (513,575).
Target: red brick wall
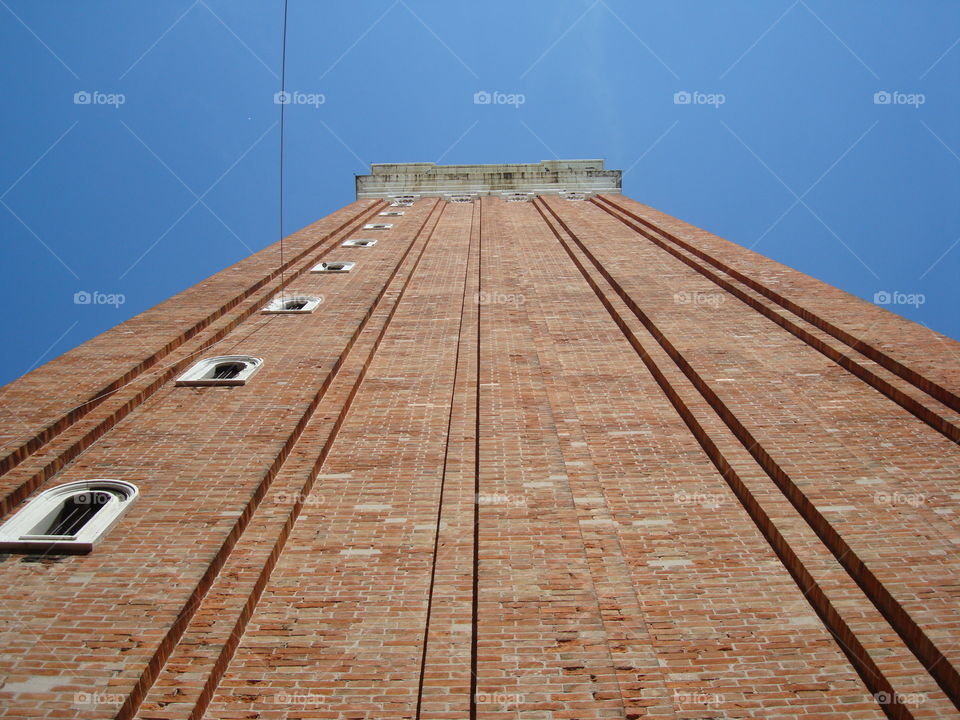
(43,399)
(550,460)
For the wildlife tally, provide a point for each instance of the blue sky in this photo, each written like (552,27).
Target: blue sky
(170,172)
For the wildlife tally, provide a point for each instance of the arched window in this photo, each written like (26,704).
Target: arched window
(333,267)
(224,370)
(359,242)
(378,226)
(69,518)
(293,304)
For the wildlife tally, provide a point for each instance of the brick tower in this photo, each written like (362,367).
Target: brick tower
(493,442)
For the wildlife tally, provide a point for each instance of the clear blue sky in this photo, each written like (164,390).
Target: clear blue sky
(798,162)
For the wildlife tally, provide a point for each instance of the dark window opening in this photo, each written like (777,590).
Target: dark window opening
(75,512)
(227,371)
(299,304)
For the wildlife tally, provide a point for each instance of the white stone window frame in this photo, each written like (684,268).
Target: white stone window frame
(391,213)
(378,226)
(16,533)
(403,200)
(359,242)
(199,375)
(276,306)
(334,266)
(518,196)
(575,195)
(461,197)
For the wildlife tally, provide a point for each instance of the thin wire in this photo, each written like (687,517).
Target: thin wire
(283,104)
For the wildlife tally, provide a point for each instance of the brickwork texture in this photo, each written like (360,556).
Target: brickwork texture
(564,459)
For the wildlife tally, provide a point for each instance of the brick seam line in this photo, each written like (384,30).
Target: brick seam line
(26,449)
(906,627)
(911,405)
(849,644)
(475,581)
(230,647)
(19,493)
(443,476)
(560,397)
(931,388)
(698,406)
(166,646)
(594,574)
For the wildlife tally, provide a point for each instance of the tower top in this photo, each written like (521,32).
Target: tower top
(543,178)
